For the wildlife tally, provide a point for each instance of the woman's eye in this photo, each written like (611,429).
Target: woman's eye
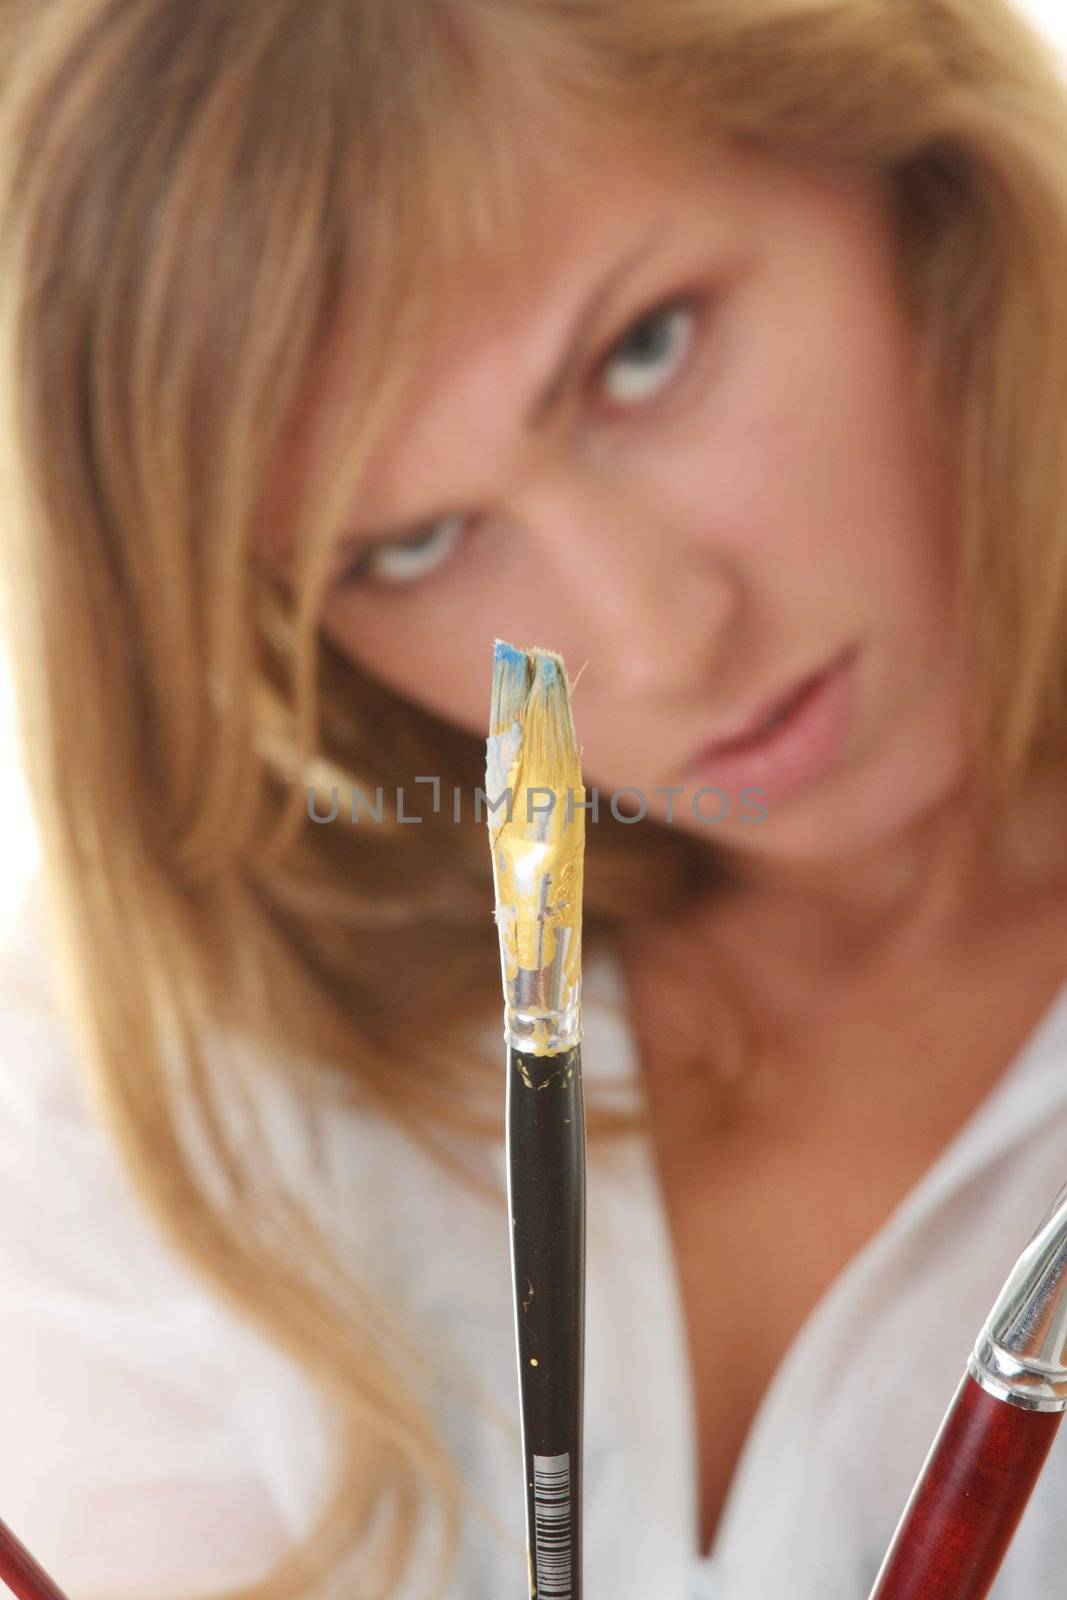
(406,560)
(648,356)
(641,364)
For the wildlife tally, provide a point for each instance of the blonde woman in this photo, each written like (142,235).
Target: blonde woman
(721,347)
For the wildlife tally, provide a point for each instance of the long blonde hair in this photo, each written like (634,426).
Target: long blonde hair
(203,206)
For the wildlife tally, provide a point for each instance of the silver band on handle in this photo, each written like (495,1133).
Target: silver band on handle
(1021,1354)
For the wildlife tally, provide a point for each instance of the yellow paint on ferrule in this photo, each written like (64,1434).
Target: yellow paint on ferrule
(539,896)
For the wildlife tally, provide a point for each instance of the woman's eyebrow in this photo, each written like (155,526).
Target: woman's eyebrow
(548,396)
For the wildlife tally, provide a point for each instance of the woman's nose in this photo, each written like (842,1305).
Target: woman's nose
(654,602)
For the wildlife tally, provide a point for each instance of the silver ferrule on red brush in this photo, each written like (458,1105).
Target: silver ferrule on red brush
(1021,1353)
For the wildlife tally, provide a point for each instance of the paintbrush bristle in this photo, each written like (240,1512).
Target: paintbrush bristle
(511,684)
(530,689)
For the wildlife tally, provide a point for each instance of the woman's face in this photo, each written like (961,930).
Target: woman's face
(727,492)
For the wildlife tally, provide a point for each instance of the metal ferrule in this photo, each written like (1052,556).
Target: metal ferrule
(1021,1353)
(537,875)
(542,1010)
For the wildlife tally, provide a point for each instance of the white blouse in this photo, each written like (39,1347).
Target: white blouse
(154,1444)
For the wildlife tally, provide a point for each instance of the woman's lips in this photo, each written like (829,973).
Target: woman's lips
(754,725)
(810,721)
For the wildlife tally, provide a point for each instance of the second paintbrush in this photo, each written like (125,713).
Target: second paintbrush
(537,837)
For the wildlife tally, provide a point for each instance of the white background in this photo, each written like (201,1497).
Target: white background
(19,853)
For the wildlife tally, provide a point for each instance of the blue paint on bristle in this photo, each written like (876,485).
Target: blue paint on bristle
(504,653)
(548,671)
(510,671)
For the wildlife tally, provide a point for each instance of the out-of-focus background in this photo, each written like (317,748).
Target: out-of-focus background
(19,853)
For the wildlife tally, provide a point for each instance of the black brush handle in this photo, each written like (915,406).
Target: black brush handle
(546,1195)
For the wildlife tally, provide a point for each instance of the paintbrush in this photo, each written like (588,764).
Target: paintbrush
(536,822)
(992,1444)
(20,1573)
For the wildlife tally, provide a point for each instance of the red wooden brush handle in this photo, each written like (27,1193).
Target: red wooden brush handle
(21,1573)
(964,1509)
